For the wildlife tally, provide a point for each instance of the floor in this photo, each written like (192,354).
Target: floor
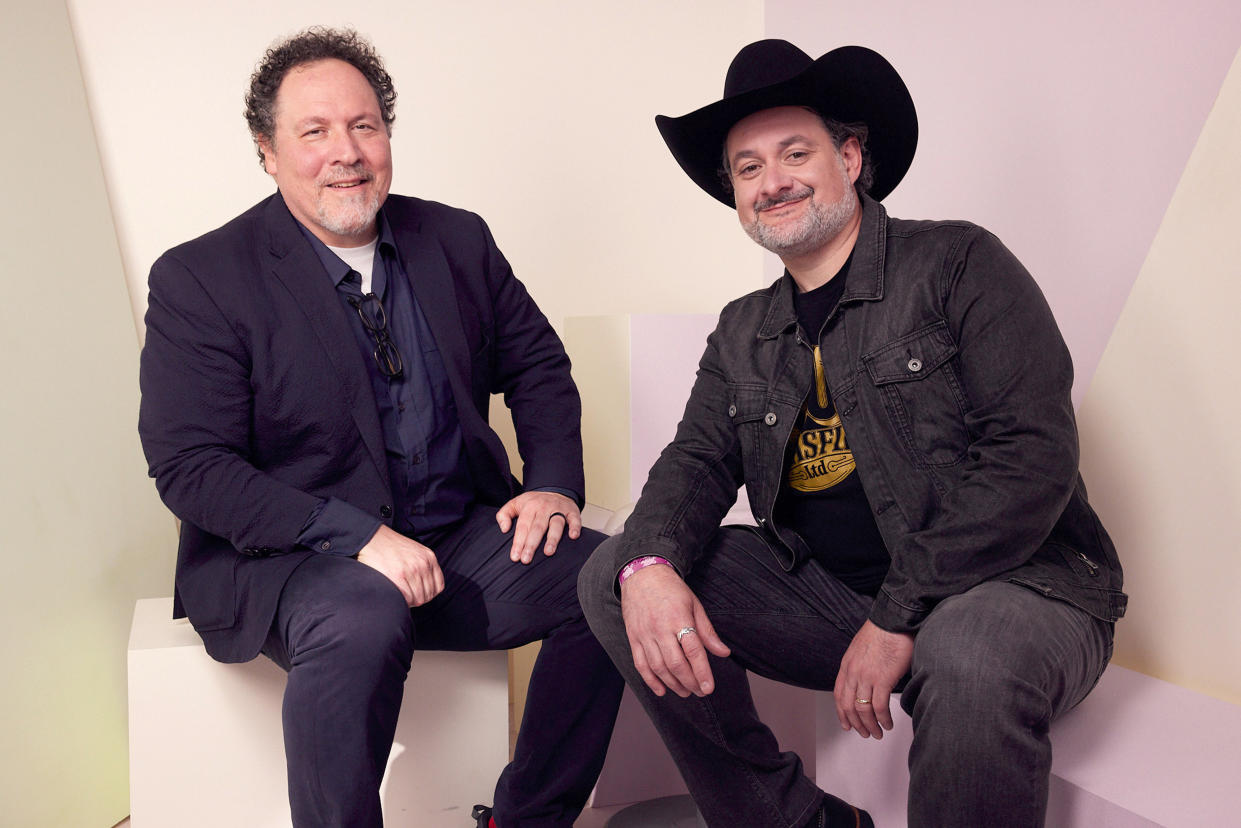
(640,816)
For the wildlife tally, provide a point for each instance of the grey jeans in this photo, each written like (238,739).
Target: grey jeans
(992,667)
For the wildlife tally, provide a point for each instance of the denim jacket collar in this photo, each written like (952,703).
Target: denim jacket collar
(864,279)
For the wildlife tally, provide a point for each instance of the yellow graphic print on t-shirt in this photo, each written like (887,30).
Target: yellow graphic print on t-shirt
(820,455)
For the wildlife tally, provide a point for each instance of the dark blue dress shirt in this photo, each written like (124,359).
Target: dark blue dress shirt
(431,485)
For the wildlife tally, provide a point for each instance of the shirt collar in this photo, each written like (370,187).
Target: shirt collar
(864,270)
(336,268)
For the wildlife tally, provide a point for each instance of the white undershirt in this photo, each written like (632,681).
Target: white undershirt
(361,259)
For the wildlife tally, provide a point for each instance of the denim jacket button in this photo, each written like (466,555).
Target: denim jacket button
(770,419)
(732,411)
(914,364)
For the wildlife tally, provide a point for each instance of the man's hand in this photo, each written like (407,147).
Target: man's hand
(656,604)
(875,661)
(538,515)
(406,563)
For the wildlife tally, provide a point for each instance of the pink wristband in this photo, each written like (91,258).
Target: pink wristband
(640,563)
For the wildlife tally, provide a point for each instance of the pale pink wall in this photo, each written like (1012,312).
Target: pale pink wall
(1061,126)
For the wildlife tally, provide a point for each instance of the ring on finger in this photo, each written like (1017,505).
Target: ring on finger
(561,515)
(684,631)
(862,701)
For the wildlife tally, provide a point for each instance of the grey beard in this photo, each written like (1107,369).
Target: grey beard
(821,223)
(350,219)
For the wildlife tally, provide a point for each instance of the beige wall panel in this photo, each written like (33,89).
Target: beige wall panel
(84,533)
(1161,446)
(602,370)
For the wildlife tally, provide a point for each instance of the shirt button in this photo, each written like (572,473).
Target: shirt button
(417,459)
(770,419)
(732,411)
(914,364)
(401,407)
(385,511)
(325,546)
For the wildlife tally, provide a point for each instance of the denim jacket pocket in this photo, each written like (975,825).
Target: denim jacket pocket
(921,392)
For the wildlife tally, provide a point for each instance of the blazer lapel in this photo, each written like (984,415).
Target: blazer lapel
(432,282)
(295,264)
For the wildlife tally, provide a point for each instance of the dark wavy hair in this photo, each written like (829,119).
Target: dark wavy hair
(308,46)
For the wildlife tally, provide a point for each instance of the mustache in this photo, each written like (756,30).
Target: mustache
(337,174)
(794,195)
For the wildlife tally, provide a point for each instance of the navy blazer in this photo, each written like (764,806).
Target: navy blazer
(256,401)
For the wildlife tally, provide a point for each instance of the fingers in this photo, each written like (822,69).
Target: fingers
(865,711)
(881,709)
(557,525)
(706,632)
(538,517)
(425,582)
(571,524)
(644,668)
(671,665)
(677,660)
(691,644)
(411,567)
(505,515)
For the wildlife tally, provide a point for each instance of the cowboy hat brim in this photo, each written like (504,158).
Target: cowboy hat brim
(848,84)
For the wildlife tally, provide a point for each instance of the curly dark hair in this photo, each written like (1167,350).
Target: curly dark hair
(840,132)
(308,46)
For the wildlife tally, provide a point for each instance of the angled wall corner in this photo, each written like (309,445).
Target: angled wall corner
(1161,450)
(85,534)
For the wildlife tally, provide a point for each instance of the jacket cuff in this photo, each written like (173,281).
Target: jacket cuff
(888,615)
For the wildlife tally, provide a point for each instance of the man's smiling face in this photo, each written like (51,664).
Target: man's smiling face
(794,190)
(330,155)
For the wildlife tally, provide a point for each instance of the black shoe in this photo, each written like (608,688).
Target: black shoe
(836,813)
(482,815)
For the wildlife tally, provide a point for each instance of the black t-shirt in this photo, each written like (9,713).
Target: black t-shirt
(821,497)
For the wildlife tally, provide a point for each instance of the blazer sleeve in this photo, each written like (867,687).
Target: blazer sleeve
(195,420)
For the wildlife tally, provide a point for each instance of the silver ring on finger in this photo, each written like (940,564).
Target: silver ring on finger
(684,631)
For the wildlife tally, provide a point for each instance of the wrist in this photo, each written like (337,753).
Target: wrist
(638,564)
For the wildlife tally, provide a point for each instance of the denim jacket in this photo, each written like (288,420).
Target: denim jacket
(952,382)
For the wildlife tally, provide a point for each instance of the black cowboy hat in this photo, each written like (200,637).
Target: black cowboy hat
(848,84)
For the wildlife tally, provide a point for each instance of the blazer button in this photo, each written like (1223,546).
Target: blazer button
(385,511)
(325,546)
(770,419)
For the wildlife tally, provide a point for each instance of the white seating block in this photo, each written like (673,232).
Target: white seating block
(206,750)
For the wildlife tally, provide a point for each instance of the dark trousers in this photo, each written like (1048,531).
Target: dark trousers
(991,668)
(346,638)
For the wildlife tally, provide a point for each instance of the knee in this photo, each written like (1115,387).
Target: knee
(364,627)
(596,585)
(966,662)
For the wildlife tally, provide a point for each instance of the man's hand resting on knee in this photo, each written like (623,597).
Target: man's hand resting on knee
(875,661)
(406,563)
(656,605)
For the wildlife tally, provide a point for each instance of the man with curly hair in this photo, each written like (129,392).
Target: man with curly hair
(315,389)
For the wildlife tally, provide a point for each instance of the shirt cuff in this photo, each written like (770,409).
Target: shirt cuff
(335,527)
(569,493)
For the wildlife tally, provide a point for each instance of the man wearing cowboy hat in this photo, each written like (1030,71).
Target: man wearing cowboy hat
(897,406)
(315,389)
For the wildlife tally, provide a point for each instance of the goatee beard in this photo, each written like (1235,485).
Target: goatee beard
(819,225)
